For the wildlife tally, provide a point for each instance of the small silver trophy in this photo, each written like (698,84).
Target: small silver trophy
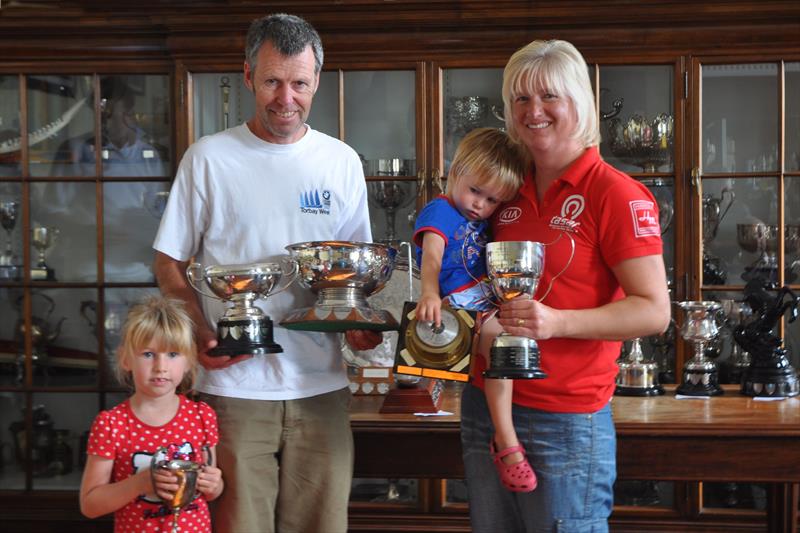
(244,329)
(43,238)
(514,268)
(342,274)
(9,262)
(186,471)
(637,376)
(700,375)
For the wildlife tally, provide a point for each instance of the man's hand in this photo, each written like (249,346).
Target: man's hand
(207,339)
(363,339)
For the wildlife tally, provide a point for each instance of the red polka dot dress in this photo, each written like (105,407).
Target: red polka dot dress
(119,435)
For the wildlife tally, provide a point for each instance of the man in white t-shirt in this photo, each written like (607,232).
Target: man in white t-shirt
(286,448)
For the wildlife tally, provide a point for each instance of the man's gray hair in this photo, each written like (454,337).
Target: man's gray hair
(289,34)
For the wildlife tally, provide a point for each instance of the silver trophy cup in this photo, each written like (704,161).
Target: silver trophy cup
(637,376)
(342,274)
(514,268)
(186,471)
(244,329)
(700,375)
(43,238)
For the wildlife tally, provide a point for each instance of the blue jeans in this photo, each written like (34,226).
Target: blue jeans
(573,455)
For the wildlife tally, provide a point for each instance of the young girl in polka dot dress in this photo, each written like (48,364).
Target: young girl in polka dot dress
(157,355)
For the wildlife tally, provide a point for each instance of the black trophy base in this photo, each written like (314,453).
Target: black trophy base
(244,337)
(699,384)
(656,390)
(771,378)
(513,357)
(43,274)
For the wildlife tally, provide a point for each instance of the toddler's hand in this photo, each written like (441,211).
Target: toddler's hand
(429,309)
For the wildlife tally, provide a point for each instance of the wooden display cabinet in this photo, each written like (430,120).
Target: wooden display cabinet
(402,82)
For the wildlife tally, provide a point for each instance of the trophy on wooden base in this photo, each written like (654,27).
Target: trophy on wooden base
(42,238)
(414,395)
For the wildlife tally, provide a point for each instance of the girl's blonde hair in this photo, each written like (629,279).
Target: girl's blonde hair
(490,156)
(555,66)
(163,322)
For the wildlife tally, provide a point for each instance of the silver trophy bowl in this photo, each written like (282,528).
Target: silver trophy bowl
(762,239)
(342,274)
(514,268)
(244,328)
(646,143)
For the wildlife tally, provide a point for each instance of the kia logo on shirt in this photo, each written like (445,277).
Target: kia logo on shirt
(509,215)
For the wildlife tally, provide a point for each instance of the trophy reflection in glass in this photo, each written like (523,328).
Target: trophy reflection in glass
(713,214)
(43,238)
(155,202)
(642,142)
(514,269)
(9,262)
(770,373)
(762,239)
(465,113)
(244,329)
(700,376)
(390,196)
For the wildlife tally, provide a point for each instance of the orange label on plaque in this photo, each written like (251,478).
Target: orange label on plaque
(402,369)
(444,374)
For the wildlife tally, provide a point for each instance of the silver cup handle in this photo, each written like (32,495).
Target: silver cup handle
(194,274)
(569,262)
(292,275)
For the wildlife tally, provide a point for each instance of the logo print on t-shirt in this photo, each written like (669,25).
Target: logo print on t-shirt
(572,207)
(645,222)
(316,202)
(509,215)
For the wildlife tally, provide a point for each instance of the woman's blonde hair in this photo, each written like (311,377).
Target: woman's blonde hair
(558,67)
(163,322)
(490,156)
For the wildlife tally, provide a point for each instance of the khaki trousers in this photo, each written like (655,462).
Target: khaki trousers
(287,465)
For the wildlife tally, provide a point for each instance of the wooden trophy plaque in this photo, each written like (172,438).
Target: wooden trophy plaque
(422,397)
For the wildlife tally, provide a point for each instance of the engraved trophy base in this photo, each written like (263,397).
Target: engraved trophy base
(370,380)
(244,337)
(772,378)
(40,273)
(423,397)
(338,319)
(10,272)
(514,357)
(700,378)
(439,353)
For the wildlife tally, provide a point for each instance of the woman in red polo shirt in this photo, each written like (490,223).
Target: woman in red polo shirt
(613,287)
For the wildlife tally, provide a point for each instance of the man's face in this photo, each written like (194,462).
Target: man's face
(284,87)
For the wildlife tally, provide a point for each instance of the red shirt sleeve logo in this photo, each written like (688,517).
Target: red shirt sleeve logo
(645,221)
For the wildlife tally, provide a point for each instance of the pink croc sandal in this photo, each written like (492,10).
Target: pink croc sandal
(518,477)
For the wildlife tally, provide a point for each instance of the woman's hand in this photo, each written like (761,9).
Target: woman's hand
(209,482)
(529,318)
(429,308)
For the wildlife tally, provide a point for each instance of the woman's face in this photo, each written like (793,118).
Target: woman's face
(545,121)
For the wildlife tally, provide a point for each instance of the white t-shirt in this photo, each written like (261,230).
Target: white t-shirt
(239,199)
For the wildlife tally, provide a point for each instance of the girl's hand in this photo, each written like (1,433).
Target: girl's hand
(209,482)
(165,484)
(429,308)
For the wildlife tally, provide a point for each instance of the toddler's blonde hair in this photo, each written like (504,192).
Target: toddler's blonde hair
(165,323)
(490,156)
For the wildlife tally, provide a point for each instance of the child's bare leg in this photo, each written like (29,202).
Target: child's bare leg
(498,397)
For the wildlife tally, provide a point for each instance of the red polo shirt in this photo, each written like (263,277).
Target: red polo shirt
(611,217)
